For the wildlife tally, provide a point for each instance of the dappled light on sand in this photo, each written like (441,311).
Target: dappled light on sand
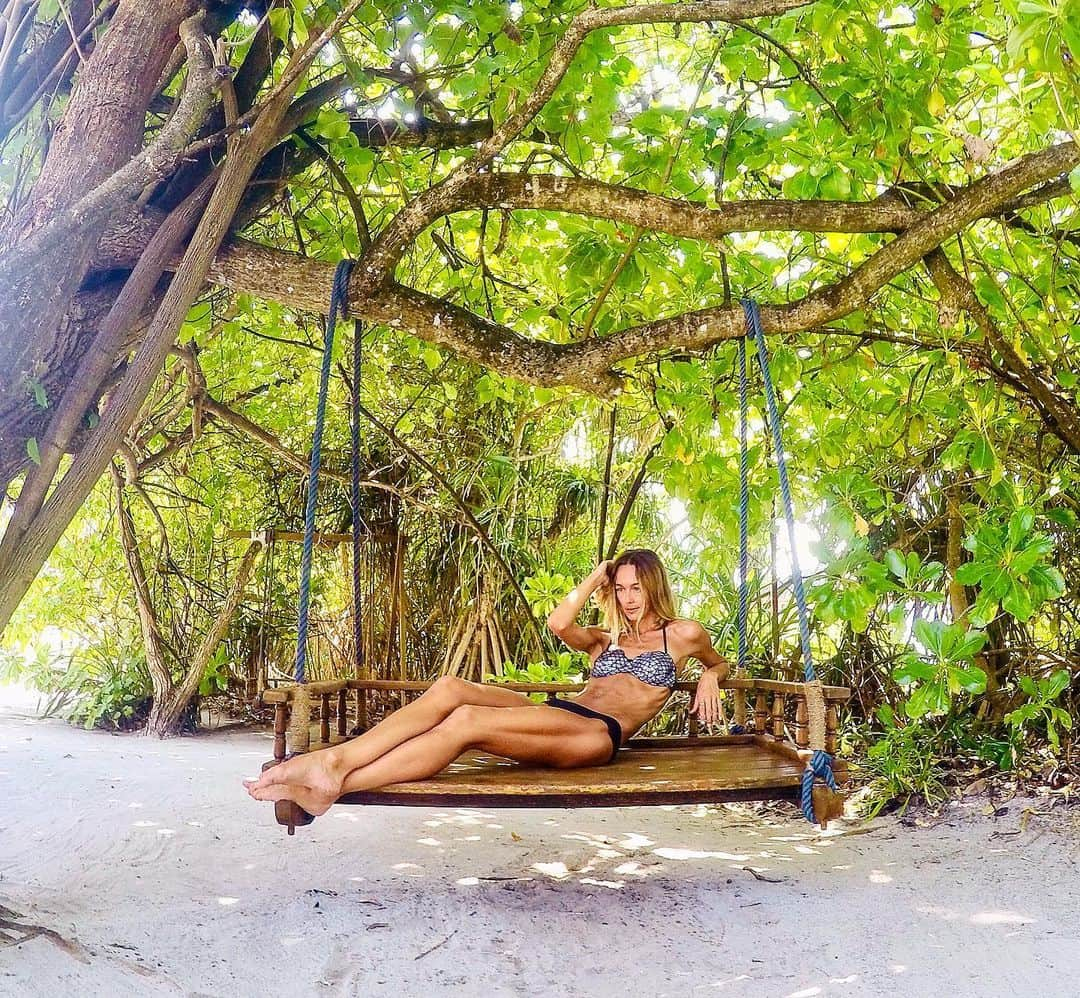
(683,894)
(1000,918)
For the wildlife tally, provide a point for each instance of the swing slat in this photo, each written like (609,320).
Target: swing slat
(728,769)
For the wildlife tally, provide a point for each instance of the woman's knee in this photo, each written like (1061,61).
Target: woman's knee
(451,691)
(463,723)
(465,715)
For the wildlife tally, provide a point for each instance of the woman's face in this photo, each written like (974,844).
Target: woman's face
(628,593)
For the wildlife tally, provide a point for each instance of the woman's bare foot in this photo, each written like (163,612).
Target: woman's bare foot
(310,800)
(318,771)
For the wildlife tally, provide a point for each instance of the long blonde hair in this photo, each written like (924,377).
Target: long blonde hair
(655,589)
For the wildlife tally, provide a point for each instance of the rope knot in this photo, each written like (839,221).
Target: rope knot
(818,767)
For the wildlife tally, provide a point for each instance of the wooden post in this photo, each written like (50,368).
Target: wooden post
(831,725)
(778,716)
(280,726)
(802,728)
(740,707)
(324,718)
(342,725)
(760,713)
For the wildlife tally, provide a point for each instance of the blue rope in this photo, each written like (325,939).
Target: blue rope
(354,498)
(338,295)
(744,509)
(820,764)
(744,516)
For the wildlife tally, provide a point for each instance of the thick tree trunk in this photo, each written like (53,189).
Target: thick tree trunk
(102,129)
(22,565)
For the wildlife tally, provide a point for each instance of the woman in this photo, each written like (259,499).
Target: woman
(634,659)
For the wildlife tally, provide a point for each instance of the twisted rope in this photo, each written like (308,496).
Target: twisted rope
(744,517)
(338,294)
(820,763)
(744,508)
(354,495)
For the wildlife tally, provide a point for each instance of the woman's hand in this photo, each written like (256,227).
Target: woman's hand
(707,703)
(602,572)
(600,580)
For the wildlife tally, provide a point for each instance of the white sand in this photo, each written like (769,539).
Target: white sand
(157,875)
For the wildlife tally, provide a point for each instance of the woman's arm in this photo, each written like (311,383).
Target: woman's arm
(563,619)
(707,703)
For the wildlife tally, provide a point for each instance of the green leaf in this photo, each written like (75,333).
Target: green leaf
(913,670)
(983,610)
(972,679)
(1049,582)
(32,450)
(895,560)
(1025,560)
(280,23)
(933,698)
(972,572)
(1056,684)
(38,391)
(1017,601)
(1020,524)
(929,634)
(982,456)
(969,646)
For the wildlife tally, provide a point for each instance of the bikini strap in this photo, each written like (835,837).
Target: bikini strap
(663,631)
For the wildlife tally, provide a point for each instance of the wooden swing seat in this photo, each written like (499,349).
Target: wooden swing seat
(666,769)
(646,771)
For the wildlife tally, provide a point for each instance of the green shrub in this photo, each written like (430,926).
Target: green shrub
(905,762)
(109,688)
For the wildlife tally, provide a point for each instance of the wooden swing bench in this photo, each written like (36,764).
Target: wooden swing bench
(759,761)
(766,761)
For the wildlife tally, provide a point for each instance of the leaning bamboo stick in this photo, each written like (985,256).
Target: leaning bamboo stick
(482,641)
(462,648)
(493,640)
(453,647)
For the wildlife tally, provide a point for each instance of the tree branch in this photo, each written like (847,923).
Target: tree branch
(379,262)
(304,283)
(160,674)
(1060,416)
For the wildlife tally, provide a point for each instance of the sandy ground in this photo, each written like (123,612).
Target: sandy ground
(153,873)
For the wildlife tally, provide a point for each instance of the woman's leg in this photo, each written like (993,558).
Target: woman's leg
(324,769)
(537,734)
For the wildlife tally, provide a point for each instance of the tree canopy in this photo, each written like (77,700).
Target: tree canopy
(554,210)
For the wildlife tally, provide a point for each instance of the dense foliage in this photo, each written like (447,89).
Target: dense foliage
(936,470)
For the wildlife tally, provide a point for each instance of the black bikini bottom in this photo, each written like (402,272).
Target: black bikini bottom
(613,726)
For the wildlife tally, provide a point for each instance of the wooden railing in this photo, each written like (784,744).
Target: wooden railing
(772,712)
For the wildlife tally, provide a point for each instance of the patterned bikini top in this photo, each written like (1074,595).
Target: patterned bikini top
(657,668)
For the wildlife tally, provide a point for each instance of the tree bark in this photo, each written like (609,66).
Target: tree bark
(160,675)
(25,561)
